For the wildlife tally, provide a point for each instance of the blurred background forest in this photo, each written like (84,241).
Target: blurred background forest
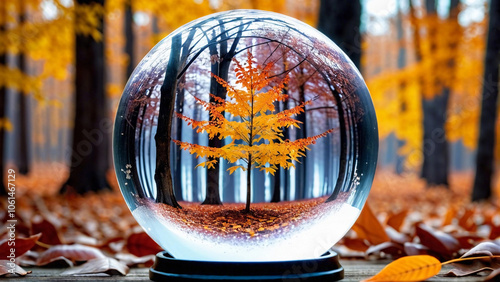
(433,83)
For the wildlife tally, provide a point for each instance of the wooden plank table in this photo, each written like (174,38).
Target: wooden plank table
(355,270)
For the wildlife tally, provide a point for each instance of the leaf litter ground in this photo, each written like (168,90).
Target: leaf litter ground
(405,211)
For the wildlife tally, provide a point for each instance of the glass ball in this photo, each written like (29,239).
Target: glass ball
(245,136)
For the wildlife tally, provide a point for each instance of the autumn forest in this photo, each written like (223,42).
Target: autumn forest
(247,127)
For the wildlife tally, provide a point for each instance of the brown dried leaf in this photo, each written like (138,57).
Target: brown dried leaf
(131,260)
(9,268)
(73,253)
(22,245)
(104,265)
(355,244)
(395,250)
(368,227)
(438,241)
(140,244)
(414,249)
(461,269)
(49,232)
(484,252)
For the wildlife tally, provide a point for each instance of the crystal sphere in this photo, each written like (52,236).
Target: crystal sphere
(245,136)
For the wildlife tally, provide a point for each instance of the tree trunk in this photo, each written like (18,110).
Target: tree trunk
(435,167)
(220,67)
(276,196)
(301,168)
(340,21)
(163,175)
(90,150)
(3,94)
(486,142)
(400,160)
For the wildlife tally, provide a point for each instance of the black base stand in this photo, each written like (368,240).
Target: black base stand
(325,268)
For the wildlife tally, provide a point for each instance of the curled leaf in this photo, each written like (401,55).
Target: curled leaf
(9,268)
(73,253)
(438,241)
(105,265)
(411,268)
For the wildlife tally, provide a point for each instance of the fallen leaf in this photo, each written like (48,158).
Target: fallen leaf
(438,241)
(411,268)
(483,249)
(131,260)
(9,268)
(466,220)
(396,236)
(74,253)
(22,245)
(104,265)
(468,240)
(396,220)
(395,250)
(413,249)
(48,230)
(495,232)
(484,252)
(368,227)
(140,244)
(493,276)
(355,244)
(475,266)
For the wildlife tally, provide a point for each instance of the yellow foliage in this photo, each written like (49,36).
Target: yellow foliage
(451,57)
(256,123)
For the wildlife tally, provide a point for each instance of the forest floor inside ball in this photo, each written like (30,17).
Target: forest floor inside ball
(245,136)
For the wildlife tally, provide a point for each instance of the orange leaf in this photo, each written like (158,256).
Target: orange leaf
(368,227)
(411,268)
(396,220)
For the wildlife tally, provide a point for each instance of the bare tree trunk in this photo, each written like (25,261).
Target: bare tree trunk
(340,21)
(301,168)
(163,175)
(486,142)
(89,158)
(220,67)
(435,167)
(400,160)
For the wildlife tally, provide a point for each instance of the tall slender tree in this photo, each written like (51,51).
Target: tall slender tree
(221,55)
(489,108)
(340,21)
(23,149)
(90,149)
(435,167)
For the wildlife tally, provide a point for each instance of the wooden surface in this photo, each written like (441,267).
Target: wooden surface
(355,270)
